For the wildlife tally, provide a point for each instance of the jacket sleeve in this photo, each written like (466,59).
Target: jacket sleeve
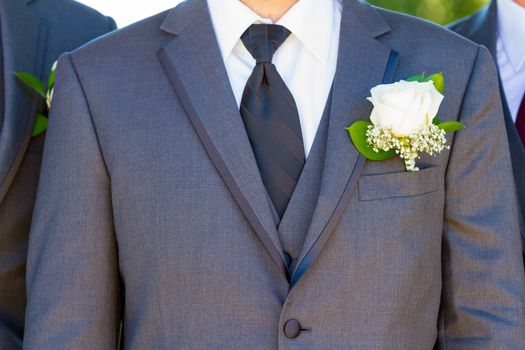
(483,275)
(72,270)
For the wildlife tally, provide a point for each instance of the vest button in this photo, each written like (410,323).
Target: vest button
(292,329)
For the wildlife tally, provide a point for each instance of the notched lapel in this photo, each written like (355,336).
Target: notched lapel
(363,62)
(193,63)
(20,105)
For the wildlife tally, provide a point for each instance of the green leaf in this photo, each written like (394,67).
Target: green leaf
(435,121)
(357,132)
(419,78)
(439,81)
(40,125)
(51,80)
(32,82)
(450,127)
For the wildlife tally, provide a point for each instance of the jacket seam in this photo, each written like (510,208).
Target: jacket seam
(68,56)
(460,113)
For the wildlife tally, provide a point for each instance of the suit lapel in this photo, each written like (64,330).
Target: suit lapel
(194,65)
(363,62)
(24,36)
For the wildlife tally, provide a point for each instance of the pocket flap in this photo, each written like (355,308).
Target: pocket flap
(403,184)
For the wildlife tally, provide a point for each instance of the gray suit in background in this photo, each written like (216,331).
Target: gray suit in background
(33,35)
(482,28)
(151,208)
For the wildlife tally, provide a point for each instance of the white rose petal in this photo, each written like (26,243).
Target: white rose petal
(404,106)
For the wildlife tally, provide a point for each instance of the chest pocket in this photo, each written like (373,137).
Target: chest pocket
(401,184)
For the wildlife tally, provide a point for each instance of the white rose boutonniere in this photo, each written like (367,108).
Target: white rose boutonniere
(404,121)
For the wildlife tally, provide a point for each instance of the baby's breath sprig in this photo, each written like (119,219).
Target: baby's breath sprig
(428,139)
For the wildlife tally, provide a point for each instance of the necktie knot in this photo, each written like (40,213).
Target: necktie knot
(263,40)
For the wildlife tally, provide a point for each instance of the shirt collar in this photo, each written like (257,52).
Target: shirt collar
(310,21)
(511,29)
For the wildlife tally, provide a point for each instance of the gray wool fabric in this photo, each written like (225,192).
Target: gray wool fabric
(33,35)
(482,28)
(151,207)
(293,227)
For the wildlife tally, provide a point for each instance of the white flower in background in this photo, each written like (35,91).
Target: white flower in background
(51,86)
(49,98)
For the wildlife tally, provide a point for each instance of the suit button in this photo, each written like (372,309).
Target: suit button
(292,329)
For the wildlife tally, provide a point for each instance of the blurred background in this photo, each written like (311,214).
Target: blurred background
(128,11)
(440,11)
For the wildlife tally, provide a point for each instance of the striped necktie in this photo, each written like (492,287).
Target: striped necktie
(271,118)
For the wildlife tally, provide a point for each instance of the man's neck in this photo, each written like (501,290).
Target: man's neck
(272,9)
(520,2)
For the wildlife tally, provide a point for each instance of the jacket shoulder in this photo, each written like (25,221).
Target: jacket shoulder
(410,31)
(75,16)
(143,38)
(424,46)
(465,25)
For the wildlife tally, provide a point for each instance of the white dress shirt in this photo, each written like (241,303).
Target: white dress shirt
(511,52)
(306,61)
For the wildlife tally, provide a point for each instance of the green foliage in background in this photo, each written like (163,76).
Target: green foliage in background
(439,11)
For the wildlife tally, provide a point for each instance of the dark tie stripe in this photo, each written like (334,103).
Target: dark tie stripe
(279,192)
(275,80)
(269,99)
(267,146)
(285,183)
(271,117)
(281,134)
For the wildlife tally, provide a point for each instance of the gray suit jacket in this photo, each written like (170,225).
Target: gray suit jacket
(33,35)
(482,28)
(151,207)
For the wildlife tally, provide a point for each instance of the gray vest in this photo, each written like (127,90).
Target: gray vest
(292,228)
